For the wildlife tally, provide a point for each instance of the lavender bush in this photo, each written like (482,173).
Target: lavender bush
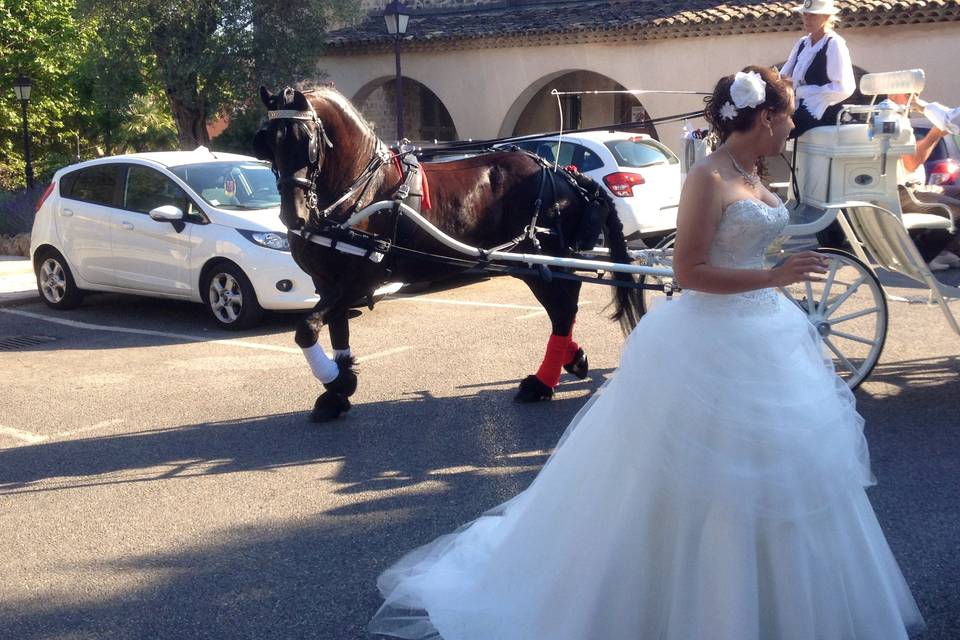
(17,209)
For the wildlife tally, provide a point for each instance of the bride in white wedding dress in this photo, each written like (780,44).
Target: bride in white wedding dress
(713,489)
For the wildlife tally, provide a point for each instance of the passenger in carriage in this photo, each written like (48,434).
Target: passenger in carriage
(819,67)
(939,247)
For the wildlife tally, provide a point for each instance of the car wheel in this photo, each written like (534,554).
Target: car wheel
(230,298)
(55,281)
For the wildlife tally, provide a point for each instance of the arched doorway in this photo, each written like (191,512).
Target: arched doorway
(541,114)
(425,118)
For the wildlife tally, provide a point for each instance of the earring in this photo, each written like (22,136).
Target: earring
(770,129)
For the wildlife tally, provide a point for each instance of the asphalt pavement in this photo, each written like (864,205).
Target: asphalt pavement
(158,478)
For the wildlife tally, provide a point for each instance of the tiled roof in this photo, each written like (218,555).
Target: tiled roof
(537,22)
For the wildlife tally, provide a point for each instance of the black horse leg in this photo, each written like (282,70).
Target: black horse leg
(559,299)
(337,375)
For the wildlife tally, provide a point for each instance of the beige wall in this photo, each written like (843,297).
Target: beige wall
(487,90)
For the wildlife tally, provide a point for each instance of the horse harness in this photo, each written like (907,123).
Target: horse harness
(320,229)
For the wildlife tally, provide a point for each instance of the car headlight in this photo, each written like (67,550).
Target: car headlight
(268,239)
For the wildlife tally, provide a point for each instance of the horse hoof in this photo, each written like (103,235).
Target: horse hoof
(578,366)
(532,390)
(329,406)
(346,381)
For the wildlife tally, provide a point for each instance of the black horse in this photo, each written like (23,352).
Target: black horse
(330,164)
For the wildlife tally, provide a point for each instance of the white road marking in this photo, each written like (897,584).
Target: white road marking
(184,336)
(464,303)
(542,312)
(25,436)
(100,425)
(149,332)
(382,354)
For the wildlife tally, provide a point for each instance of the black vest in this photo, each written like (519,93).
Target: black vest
(817,71)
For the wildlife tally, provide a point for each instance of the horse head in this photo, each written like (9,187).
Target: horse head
(299,137)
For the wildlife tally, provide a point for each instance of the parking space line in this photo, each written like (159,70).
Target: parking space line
(465,303)
(93,427)
(541,312)
(381,354)
(149,332)
(24,436)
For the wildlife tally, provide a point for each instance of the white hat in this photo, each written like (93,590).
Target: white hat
(820,7)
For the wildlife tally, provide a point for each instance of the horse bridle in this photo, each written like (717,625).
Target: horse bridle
(309,183)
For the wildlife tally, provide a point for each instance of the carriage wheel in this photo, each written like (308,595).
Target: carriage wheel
(849,311)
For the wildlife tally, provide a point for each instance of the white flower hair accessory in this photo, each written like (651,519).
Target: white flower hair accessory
(748,89)
(728,111)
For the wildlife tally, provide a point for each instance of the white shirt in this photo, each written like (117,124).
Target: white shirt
(943,118)
(816,98)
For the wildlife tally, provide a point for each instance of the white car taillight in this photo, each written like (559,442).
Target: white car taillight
(622,183)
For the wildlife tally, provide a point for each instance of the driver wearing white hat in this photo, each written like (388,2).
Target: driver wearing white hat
(819,67)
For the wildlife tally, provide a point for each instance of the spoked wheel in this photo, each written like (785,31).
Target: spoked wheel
(849,311)
(230,298)
(55,281)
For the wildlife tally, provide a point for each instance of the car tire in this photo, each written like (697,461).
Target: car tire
(229,297)
(55,282)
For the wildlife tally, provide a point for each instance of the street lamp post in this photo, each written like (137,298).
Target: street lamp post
(22,88)
(396,15)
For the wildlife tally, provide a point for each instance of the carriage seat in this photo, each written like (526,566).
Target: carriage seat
(849,134)
(920,215)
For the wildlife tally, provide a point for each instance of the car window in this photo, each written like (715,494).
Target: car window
(232,184)
(590,161)
(640,153)
(97,184)
(148,189)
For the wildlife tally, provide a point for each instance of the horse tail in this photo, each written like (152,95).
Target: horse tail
(627,300)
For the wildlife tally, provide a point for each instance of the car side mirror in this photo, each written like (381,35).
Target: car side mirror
(167,213)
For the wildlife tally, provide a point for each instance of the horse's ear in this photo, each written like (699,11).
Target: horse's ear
(300,102)
(265,96)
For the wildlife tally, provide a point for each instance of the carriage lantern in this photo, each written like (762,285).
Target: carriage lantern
(396,15)
(22,87)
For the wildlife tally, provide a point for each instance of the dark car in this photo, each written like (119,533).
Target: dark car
(943,165)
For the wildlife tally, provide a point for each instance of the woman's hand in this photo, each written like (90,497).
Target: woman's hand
(805,265)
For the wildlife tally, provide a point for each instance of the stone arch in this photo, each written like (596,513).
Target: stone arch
(425,116)
(536,111)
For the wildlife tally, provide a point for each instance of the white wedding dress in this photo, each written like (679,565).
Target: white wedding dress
(713,489)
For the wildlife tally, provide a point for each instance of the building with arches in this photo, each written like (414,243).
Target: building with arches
(485,68)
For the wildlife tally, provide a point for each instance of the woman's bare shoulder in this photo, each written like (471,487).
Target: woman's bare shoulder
(705,174)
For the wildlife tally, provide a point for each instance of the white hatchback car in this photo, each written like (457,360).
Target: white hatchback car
(192,225)
(641,174)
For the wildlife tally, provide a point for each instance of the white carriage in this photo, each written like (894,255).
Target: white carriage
(847,173)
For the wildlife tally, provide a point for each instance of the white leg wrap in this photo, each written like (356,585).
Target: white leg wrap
(324,369)
(342,352)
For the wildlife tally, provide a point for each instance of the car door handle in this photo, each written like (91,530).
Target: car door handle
(126,225)
(66,213)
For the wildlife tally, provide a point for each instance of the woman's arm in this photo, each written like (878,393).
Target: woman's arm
(701,207)
(788,66)
(925,147)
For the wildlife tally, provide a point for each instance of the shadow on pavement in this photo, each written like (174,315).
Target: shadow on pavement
(315,579)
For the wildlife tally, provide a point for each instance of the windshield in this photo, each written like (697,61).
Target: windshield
(636,153)
(232,184)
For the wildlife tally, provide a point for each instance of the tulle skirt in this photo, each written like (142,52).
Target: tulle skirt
(713,489)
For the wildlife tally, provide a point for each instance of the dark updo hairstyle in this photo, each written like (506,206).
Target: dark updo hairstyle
(778,97)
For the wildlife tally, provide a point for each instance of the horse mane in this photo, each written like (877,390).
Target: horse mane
(339,100)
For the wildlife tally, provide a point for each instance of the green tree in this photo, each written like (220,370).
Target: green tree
(42,39)
(211,55)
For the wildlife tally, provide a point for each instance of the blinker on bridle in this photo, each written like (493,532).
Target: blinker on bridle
(313,151)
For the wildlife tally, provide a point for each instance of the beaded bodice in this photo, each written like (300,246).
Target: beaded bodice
(746,230)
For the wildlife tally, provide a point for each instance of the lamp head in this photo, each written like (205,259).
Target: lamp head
(22,87)
(396,15)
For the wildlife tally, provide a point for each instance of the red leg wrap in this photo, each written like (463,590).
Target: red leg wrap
(553,360)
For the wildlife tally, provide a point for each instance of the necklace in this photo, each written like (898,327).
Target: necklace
(752,179)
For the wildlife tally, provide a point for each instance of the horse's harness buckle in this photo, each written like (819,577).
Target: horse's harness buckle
(402,192)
